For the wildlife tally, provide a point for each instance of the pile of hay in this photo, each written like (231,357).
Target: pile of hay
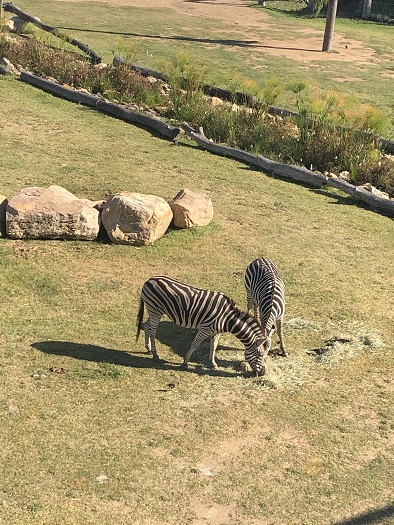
(350,339)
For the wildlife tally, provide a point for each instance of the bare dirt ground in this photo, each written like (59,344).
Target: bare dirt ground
(242,18)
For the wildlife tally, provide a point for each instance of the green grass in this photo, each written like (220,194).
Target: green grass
(310,444)
(155,36)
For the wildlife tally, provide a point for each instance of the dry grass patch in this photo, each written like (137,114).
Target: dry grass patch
(350,340)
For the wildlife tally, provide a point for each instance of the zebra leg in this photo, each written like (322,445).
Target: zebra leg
(214,344)
(150,333)
(201,335)
(279,324)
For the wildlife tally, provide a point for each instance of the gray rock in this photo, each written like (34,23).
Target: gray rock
(191,209)
(51,213)
(135,219)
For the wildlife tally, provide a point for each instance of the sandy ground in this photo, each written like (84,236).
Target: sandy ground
(242,19)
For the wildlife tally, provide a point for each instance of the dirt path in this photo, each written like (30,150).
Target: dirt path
(242,18)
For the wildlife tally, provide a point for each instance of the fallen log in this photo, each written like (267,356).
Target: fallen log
(97,102)
(5,71)
(297,173)
(60,90)
(11,8)
(381,204)
(386,145)
(224,94)
(144,71)
(342,185)
(138,118)
(238,98)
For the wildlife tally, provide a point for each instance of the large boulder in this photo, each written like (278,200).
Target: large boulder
(136,219)
(3,207)
(191,209)
(51,213)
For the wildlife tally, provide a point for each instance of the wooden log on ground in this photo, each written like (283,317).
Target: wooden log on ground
(73,95)
(11,8)
(386,145)
(5,71)
(380,204)
(224,94)
(144,71)
(138,118)
(342,185)
(287,171)
(236,97)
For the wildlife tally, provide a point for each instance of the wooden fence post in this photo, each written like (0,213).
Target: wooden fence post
(366,9)
(330,24)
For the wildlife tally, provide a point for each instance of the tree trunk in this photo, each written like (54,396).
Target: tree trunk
(366,9)
(330,24)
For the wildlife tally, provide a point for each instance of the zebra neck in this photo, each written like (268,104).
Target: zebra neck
(243,330)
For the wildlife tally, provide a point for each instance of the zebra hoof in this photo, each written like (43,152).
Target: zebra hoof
(156,358)
(184,366)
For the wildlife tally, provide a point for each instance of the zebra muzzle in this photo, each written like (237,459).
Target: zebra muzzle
(259,373)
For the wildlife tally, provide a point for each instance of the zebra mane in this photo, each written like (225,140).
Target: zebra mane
(242,314)
(230,301)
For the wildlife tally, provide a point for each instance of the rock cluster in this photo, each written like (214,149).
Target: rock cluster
(128,218)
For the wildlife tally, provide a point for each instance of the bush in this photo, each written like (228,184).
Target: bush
(72,68)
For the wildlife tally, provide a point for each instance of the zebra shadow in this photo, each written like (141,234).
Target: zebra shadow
(179,340)
(133,359)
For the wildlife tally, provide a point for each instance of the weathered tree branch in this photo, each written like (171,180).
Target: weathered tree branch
(295,173)
(287,171)
(96,102)
(138,118)
(87,99)
(11,8)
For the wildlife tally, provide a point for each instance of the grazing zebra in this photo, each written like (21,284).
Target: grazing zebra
(265,291)
(212,313)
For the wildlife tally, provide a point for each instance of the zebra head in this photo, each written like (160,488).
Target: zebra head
(256,356)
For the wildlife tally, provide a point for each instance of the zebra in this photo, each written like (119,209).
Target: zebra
(265,292)
(211,313)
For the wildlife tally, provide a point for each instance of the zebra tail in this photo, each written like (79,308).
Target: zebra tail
(140,316)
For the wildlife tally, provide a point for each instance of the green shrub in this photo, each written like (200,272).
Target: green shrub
(120,83)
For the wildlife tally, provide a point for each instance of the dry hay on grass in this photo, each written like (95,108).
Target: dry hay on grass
(350,340)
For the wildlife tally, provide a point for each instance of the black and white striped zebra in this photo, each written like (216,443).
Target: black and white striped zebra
(211,313)
(265,292)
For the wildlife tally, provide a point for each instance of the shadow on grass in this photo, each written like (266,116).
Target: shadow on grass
(368,518)
(221,41)
(177,338)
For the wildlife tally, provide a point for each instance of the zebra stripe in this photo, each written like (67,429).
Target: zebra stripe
(265,292)
(211,313)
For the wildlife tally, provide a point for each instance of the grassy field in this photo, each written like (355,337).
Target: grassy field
(91,432)
(232,55)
